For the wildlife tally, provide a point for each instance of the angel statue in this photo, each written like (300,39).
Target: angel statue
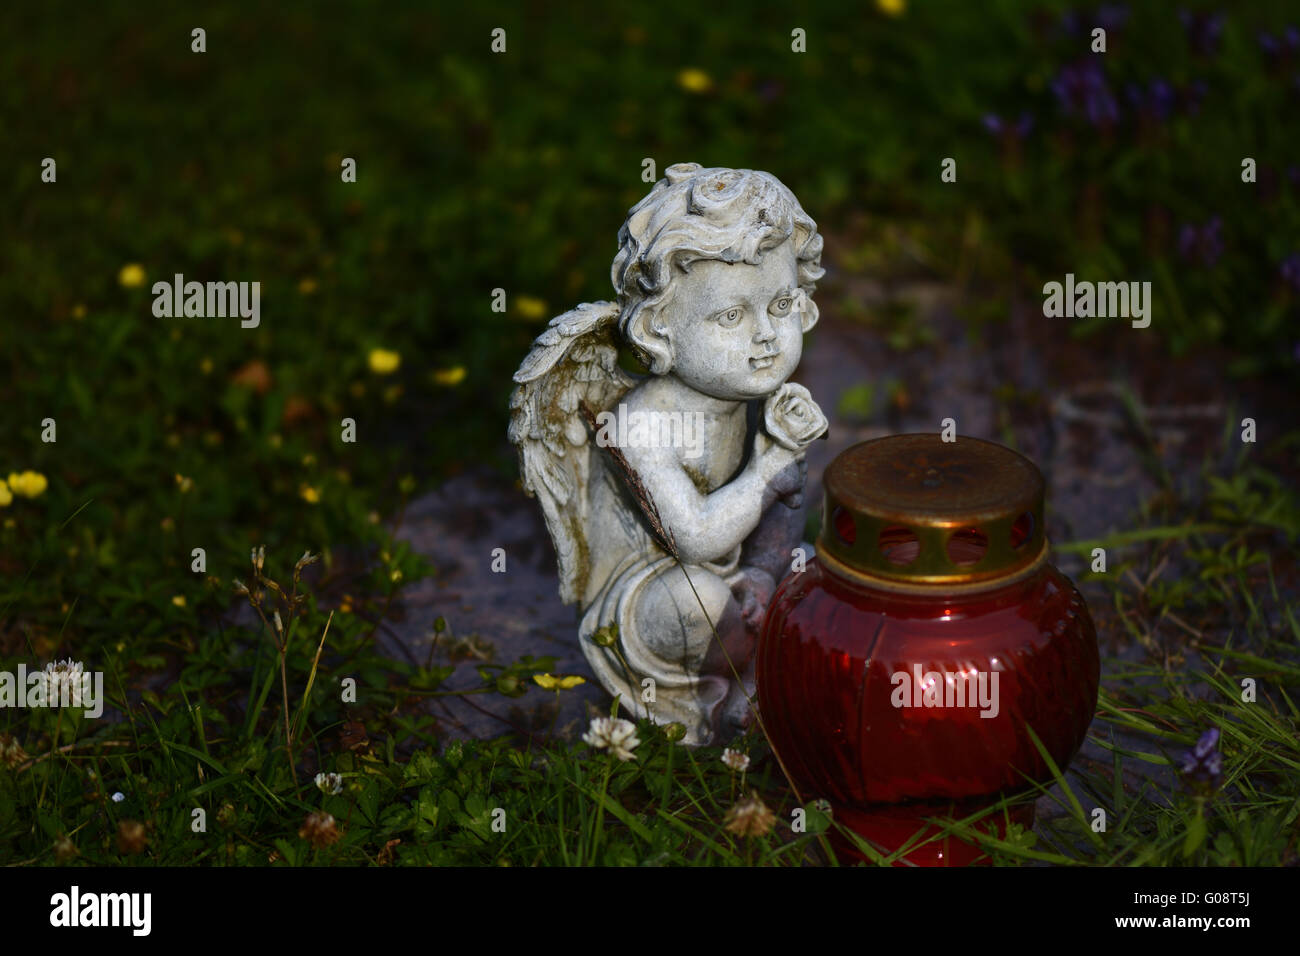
(674,499)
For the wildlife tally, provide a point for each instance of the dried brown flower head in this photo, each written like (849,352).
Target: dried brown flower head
(131,837)
(319,830)
(11,752)
(750,817)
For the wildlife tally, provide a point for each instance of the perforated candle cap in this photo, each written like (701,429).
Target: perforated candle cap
(917,510)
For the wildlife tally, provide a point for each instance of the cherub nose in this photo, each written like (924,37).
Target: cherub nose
(764,330)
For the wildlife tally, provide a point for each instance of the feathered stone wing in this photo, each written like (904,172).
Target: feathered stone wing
(574,360)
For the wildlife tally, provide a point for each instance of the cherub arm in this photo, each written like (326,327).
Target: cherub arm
(707,527)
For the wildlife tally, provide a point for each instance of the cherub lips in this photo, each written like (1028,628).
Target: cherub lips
(763,361)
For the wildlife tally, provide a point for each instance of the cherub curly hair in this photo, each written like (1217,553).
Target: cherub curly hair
(731,215)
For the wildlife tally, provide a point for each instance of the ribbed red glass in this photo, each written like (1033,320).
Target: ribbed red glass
(828,657)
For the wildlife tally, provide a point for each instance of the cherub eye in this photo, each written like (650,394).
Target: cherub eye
(781,305)
(730,318)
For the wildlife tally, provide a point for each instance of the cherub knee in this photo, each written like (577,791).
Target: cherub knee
(675,623)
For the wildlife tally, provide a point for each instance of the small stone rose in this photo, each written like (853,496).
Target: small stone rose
(791,417)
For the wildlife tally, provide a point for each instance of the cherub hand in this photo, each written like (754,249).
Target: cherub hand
(789,483)
(788,470)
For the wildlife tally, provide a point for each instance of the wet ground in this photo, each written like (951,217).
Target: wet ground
(1023,381)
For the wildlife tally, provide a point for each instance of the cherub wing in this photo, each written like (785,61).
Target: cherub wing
(574,360)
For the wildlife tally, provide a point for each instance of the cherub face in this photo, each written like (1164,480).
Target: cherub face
(735,331)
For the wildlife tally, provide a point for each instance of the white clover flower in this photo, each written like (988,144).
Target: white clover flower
(60,678)
(330,783)
(119,797)
(617,734)
(736,760)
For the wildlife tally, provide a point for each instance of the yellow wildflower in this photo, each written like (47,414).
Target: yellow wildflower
(558,682)
(131,276)
(79,311)
(383,362)
(530,307)
(309,494)
(6,496)
(186,485)
(306,285)
(694,81)
(892,8)
(205,366)
(449,376)
(29,484)
(179,600)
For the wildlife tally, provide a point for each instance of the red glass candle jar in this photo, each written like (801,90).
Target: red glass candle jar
(899,674)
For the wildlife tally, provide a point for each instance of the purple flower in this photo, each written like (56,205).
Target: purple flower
(771,91)
(1204,31)
(1279,48)
(1017,130)
(1203,764)
(1081,89)
(1202,245)
(1191,96)
(1156,101)
(1290,271)
(1111,17)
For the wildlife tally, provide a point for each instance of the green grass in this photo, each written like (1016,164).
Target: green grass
(197,743)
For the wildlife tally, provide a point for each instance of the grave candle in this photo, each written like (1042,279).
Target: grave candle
(899,675)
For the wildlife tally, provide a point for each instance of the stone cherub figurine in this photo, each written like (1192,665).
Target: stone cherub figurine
(714,276)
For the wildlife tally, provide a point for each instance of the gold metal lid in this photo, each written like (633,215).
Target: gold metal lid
(916,510)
